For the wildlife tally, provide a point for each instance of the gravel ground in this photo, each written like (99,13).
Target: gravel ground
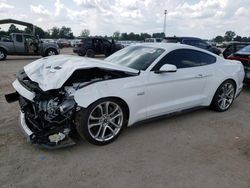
(197,149)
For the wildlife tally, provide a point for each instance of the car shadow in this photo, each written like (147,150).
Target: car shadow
(247,87)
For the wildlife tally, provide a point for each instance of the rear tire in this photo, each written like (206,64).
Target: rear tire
(224,96)
(90,53)
(3,54)
(100,126)
(81,54)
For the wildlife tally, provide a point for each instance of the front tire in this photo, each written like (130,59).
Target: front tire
(102,122)
(3,54)
(51,52)
(224,96)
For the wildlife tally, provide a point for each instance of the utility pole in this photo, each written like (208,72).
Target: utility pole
(164,27)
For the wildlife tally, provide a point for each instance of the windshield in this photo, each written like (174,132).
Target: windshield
(136,57)
(245,49)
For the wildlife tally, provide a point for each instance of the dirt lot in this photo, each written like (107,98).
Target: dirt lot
(197,149)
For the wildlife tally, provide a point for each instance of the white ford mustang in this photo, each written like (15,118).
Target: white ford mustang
(99,98)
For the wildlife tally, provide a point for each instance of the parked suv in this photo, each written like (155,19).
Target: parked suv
(91,46)
(25,44)
(192,41)
(234,47)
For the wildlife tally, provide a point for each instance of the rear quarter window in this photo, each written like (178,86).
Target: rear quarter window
(206,59)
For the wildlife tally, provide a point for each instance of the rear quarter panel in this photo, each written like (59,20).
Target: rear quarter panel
(220,71)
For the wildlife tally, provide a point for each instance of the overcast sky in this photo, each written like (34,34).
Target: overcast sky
(201,18)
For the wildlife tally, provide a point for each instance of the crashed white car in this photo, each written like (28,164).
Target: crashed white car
(99,98)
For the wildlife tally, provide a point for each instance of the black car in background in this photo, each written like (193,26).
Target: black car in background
(91,46)
(192,41)
(234,47)
(243,55)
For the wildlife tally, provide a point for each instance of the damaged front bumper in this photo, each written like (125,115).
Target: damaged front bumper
(61,140)
(39,127)
(24,127)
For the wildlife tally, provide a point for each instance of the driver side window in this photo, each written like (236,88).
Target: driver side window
(185,58)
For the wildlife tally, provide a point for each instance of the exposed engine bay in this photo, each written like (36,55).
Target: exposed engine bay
(51,114)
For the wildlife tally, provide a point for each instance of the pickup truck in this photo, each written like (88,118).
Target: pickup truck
(25,44)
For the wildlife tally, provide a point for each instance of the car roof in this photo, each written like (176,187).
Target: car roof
(91,38)
(174,37)
(165,45)
(173,46)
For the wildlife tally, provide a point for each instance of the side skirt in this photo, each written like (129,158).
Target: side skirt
(168,115)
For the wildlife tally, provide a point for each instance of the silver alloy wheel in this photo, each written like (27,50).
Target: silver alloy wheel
(51,52)
(105,121)
(226,96)
(1,55)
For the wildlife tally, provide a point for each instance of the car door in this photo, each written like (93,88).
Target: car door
(31,44)
(19,44)
(98,46)
(107,47)
(172,91)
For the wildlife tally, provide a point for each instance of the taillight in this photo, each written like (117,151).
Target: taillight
(238,58)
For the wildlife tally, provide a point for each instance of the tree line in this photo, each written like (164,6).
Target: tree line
(231,36)
(66,32)
(55,32)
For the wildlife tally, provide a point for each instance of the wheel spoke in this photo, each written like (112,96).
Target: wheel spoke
(224,103)
(113,132)
(100,107)
(220,100)
(114,111)
(113,123)
(103,132)
(230,96)
(116,116)
(99,130)
(230,91)
(94,125)
(107,108)
(94,118)
(223,89)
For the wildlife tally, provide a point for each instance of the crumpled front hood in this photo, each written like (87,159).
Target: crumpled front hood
(52,72)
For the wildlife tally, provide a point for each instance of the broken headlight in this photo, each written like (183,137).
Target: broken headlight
(54,110)
(67,106)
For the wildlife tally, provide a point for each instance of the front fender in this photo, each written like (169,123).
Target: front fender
(5,48)
(130,90)
(89,94)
